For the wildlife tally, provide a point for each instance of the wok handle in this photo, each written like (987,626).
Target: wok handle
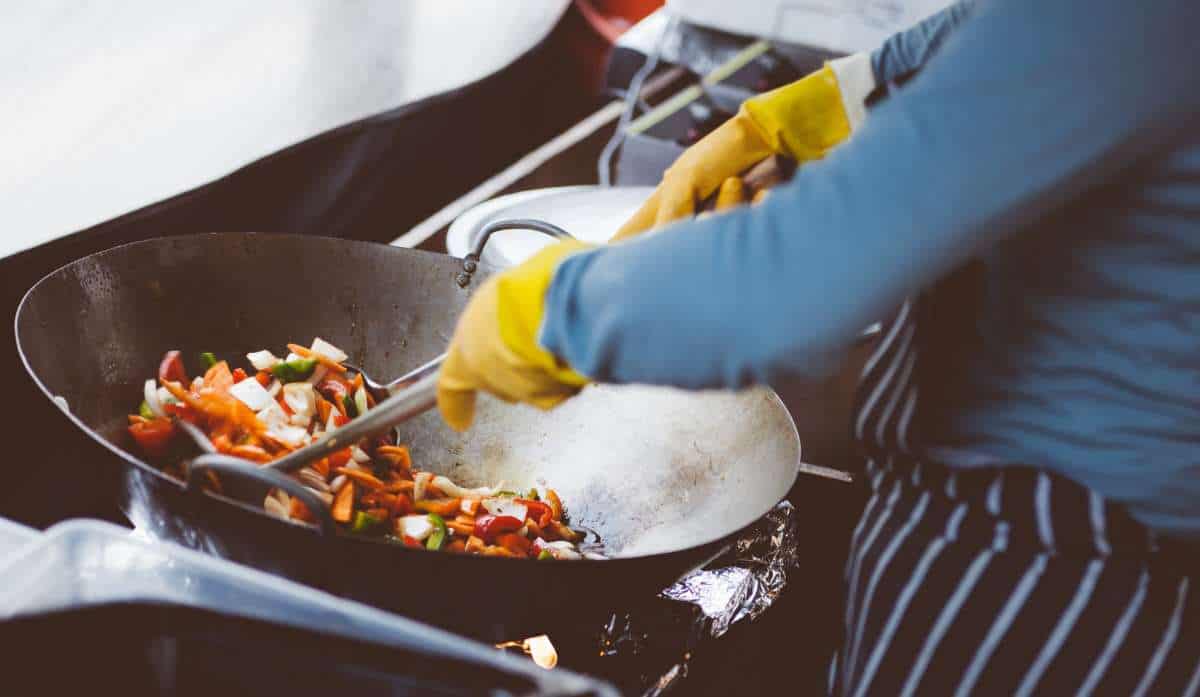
(227,464)
(418,397)
(471,261)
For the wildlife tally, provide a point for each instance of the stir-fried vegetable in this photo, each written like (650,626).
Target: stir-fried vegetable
(294,370)
(370,486)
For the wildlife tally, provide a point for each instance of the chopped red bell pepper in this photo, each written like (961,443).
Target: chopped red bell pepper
(541,513)
(339,458)
(171,368)
(263,377)
(333,389)
(153,436)
(487,527)
(340,419)
(182,411)
(412,542)
(517,544)
(239,375)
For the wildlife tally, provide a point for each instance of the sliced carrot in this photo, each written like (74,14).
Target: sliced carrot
(464,529)
(218,377)
(263,378)
(323,409)
(339,458)
(397,455)
(400,486)
(365,478)
(298,510)
(250,452)
(343,503)
(222,442)
(517,544)
(443,507)
(559,531)
(556,507)
(179,393)
(322,467)
(323,360)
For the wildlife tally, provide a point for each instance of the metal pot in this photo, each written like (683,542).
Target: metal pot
(664,477)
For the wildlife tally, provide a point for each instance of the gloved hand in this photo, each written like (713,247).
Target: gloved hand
(495,346)
(803,120)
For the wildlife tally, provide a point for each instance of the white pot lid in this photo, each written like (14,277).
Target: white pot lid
(590,213)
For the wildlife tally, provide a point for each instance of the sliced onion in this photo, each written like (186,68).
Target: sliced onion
(417,527)
(360,400)
(252,394)
(150,392)
(420,481)
(318,374)
(328,350)
(456,491)
(506,506)
(262,360)
(300,398)
(358,455)
(273,416)
(165,397)
(273,507)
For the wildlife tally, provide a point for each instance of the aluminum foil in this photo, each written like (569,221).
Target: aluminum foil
(738,586)
(745,581)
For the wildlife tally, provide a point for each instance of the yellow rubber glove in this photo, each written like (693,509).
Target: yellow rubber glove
(495,346)
(803,120)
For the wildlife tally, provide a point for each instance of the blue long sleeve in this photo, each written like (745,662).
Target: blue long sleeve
(905,53)
(1028,105)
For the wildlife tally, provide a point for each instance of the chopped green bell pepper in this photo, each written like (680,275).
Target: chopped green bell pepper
(364,522)
(208,359)
(144,411)
(544,555)
(294,370)
(440,532)
(351,408)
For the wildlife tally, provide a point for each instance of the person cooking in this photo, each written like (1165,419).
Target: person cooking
(1025,211)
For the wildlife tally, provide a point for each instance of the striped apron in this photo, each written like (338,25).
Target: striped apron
(1001,580)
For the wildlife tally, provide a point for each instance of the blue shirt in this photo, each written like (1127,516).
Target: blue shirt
(1056,141)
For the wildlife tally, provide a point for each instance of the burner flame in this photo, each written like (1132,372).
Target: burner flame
(538,648)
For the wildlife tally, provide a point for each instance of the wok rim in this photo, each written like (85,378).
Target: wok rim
(146,467)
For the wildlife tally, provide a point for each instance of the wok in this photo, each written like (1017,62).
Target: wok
(665,478)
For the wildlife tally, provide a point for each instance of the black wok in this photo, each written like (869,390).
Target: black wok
(666,478)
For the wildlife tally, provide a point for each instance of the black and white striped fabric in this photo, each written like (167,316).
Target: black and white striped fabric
(1000,581)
